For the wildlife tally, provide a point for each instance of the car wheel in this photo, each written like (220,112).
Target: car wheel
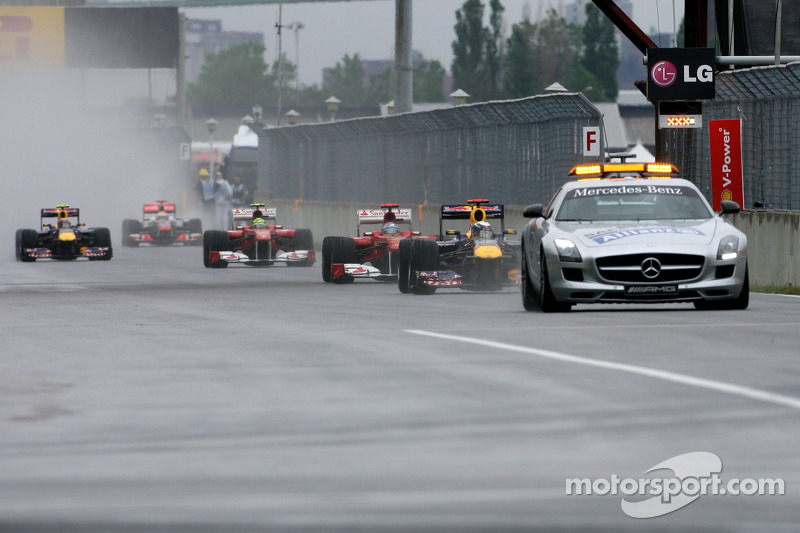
(303,240)
(327,250)
(530,300)
(214,241)
(102,237)
(405,266)
(547,300)
(343,250)
(195,225)
(26,238)
(738,303)
(424,257)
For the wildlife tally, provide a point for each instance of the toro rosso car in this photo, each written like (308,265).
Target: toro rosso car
(478,259)
(63,236)
(253,241)
(373,254)
(159,226)
(629,233)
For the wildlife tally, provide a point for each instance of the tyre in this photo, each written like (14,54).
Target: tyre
(404,268)
(303,240)
(738,303)
(195,225)
(214,241)
(424,257)
(327,250)
(547,301)
(530,300)
(343,250)
(130,227)
(26,238)
(102,237)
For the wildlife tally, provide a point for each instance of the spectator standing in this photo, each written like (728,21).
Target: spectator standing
(222,200)
(205,189)
(241,195)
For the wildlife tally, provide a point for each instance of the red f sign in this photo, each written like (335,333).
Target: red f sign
(591,141)
(726,162)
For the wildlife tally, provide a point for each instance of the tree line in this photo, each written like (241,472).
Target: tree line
(487,64)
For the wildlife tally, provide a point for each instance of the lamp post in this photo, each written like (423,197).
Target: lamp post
(333,106)
(296,26)
(292,116)
(211,124)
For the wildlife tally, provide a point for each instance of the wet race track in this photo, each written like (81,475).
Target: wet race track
(149,393)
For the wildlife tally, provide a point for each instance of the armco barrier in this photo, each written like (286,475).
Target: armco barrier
(773,237)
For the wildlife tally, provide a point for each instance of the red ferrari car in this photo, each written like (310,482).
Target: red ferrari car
(373,254)
(256,240)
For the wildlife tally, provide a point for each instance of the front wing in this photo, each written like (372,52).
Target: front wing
(295,256)
(359,271)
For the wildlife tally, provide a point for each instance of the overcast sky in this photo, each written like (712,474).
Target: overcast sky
(333,29)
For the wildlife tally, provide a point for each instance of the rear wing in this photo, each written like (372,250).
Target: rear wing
(473,211)
(155,208)
(243,216)
(391,213)
(61,213)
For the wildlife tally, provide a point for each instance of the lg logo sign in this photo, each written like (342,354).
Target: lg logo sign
(681,73)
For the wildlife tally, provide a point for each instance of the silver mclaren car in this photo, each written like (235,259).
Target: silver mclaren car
(631,233)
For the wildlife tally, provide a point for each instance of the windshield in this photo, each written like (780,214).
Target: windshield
(632,202)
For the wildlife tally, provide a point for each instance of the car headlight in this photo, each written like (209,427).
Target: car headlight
(728,248)
(567,251)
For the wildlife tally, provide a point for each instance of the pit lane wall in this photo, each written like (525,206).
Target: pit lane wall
(773,237)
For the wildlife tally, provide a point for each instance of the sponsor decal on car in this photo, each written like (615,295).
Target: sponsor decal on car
(615,235)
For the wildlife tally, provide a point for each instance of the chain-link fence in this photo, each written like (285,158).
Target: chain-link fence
(515,152)
(767,100)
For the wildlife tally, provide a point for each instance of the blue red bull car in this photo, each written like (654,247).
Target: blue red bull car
(62,236)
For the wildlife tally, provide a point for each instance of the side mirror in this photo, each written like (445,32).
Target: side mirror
(729,207)
(533,211)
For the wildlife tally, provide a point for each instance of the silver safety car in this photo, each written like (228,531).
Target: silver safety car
(631,233)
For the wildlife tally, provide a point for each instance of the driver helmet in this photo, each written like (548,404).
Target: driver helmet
(259,222)
(482,231)
(390,228)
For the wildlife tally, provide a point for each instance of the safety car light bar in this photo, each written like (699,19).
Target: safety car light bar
(649,168)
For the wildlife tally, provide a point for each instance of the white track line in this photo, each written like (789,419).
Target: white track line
(719,386)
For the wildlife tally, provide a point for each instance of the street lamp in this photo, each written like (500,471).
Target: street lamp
(333,106)
(211,124)
(296,26)
(292,116)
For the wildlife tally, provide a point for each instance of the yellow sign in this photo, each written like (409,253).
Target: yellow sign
(32,37)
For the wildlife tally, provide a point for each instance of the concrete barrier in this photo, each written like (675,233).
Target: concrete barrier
(773,237)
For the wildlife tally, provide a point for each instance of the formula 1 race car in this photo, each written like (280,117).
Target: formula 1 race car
(66,239)
(252,241)
(478,260)
(375,254)
(159,226)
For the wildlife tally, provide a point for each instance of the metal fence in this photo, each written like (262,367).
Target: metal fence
(767,100)
(515,152)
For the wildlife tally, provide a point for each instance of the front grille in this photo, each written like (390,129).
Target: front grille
(663,268)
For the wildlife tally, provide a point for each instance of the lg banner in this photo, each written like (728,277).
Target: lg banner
(726,162)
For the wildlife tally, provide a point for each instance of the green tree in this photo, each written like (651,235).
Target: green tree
(235,77)
(469,48)
(495,52)
(346,82)
(522,77)
(428,77)
(600,51)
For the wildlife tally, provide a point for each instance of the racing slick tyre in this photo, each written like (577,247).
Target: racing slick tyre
(405,266)
(195,225)
(738,303)
(214,241)
(102,238)
(424,257)
(547,301)
(343,250)
(327,247)
(530,300)
(26,238)
(303,240)
(130,227)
